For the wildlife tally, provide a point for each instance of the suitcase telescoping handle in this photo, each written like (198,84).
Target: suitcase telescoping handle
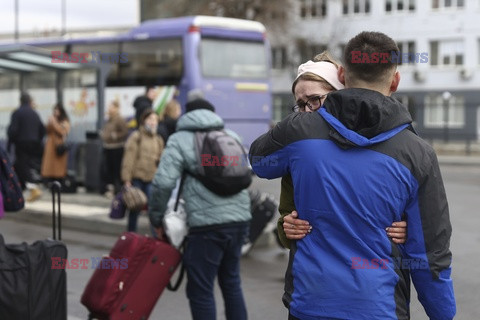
(56,191)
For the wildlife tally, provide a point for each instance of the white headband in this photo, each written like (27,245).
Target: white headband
(324,69)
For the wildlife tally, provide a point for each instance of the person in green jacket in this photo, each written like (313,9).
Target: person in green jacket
(322,73)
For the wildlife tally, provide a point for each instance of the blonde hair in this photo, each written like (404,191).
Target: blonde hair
(116,108)
(308,76)
(115,103)
(172,110)
(327,57)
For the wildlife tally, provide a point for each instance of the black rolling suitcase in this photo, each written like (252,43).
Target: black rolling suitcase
(263,207)
(33,283)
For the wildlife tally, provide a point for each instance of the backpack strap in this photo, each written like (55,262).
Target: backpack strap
(182,180)
(175,286)
(138,140)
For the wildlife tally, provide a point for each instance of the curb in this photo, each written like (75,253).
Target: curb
(100,224)
(104,225)
(459,160)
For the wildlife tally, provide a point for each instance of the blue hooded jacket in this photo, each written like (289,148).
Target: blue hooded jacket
(356,167)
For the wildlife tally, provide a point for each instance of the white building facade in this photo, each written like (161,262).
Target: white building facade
(442,94)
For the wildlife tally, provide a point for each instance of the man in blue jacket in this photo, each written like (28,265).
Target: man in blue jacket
(218,225)
(357,165)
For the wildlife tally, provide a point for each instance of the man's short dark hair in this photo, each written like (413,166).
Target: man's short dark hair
(25,98)
(148,87)
(368,56)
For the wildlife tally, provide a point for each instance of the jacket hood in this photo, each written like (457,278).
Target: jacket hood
(201,119)
(362,117)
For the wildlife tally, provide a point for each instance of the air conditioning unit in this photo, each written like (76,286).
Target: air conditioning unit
(466,73)
(419,75)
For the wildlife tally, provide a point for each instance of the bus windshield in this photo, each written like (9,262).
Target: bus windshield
(235,59)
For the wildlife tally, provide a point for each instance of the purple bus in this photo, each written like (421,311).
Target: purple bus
(227,59)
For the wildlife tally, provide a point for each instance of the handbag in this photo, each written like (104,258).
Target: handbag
(175,220)
(117,209)
(134,198)
(61,149)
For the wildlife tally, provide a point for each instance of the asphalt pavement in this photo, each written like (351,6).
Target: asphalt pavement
(89,212)
(89,232)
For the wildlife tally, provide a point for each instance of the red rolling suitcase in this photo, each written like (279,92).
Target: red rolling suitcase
(128,282)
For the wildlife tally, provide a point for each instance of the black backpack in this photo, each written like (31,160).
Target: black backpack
(9,184)
(223,164)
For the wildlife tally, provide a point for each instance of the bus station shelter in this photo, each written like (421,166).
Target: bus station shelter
(32,67)
(79,86)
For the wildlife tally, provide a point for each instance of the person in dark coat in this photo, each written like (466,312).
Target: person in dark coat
(143,103)
(26,132)
(168,119)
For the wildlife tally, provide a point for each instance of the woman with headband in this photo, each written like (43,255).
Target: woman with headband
(315,79)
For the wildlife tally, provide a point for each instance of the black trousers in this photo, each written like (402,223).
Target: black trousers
(113,166)
(28,161)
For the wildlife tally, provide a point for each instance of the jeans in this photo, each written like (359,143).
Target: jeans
(133,215)
(209,254)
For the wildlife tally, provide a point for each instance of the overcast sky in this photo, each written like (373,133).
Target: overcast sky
(46,14)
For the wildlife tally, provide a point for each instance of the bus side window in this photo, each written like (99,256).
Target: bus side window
(158,61)
(93,52)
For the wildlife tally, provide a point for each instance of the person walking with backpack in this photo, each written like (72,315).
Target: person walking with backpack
(218,224)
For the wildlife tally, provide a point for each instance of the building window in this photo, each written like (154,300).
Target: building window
(409,103)
(303,8)
(279,57)
(408,47)
(446,53)
(440,112)
(356,6)
(399,5)
(313,8)
(309,51)
(440,4)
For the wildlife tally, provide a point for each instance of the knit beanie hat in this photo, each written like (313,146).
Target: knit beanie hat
(199,104)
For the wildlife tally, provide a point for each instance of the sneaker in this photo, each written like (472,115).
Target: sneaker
(34,194)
